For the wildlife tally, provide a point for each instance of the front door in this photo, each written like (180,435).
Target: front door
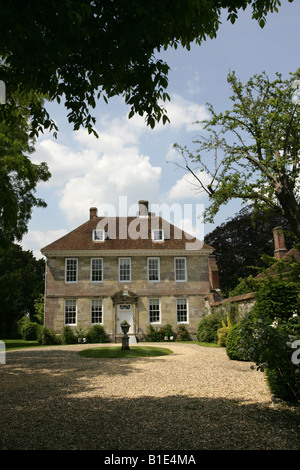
(124,312)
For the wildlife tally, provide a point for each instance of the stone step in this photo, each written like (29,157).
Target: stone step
(132,339)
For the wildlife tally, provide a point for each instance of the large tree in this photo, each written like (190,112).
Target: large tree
(21,283)
(241,242)
(252,151)
(79,50)
(19,176)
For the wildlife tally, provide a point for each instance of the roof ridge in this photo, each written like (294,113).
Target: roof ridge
(84,241)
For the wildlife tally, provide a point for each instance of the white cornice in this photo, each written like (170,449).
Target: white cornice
(100,253)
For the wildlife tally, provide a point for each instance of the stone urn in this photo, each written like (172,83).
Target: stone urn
(125,327)
(125,338)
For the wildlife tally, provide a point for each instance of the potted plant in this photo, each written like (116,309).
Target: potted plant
(125,327)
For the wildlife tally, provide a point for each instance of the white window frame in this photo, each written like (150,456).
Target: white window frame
(98,235)
(158,269)
(178,300)
(177,269)
(157,322)
(119,269)
(66,302)
(91,270)
(92,304)
(67,271)
(157,231)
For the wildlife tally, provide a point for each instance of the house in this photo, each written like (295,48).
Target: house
(141,269)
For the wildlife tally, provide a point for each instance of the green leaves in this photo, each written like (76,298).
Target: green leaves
(21,282)
(18,175)
(252,151)
(79,49)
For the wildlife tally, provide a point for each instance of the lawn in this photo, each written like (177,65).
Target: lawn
(117,352)
(206,345)
(19,343)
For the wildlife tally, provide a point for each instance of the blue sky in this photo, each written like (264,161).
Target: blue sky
(130,161)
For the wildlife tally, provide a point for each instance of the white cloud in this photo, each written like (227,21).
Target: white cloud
(34,240)
(172,154)
(63,162)
(187,186)
(100,170)
(127,174)
(87,171)
(183,113)
(193,85)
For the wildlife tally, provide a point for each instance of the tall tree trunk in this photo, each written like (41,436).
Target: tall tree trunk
(290,206)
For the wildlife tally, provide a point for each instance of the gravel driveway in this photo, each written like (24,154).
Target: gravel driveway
(194,399)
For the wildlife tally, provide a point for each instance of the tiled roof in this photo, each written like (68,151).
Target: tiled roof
(294,253)
(82,237)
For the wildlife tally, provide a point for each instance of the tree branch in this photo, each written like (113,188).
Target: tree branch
(255,196)
(209,191)
(262,168)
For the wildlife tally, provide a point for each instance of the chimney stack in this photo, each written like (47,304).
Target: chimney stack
(143,208)
(279,242)
(213,272)
(93,212)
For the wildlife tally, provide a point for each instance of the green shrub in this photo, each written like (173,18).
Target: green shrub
(222,335)
(276,298)
(166,331)
(159,334)
(233,344)
(207,331)
(29,331)
(244,286)
(278,386)
(153,334)
(97,334)
(21,322)
(68,336)
(47,336)
(182,333)
(81,335)
(39,309)
(223,332)
(269,331)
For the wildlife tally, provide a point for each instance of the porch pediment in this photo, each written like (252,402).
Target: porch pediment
(123,296)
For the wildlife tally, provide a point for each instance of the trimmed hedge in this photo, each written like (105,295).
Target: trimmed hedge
(208,327)
(159,334)
(29,331)
(233,344)
(97,334)
(68,336)
(182,333)
(47,336)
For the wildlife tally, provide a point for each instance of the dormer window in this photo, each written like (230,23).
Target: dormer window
(98,235)
(158,235)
